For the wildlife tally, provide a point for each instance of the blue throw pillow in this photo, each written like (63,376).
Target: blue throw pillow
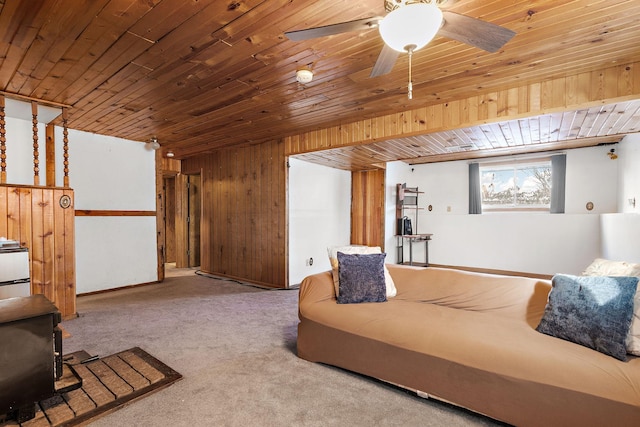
(595,312)
(361,278)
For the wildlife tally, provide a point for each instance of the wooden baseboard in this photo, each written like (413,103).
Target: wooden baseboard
(103,291)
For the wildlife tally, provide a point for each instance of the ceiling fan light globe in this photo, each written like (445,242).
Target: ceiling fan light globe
(411,25)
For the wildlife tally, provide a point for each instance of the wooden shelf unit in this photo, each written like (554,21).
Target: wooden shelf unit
(407,206)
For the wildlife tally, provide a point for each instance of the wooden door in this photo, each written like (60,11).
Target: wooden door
(170,219)
(193,220)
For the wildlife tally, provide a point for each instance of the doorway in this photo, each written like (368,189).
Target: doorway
(169,187)
(182,220)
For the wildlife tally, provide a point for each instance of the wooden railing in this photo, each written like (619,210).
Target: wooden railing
(42,218)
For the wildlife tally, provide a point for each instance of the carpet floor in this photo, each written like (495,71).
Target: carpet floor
(235,346)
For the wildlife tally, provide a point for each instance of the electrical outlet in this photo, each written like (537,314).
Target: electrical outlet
(308,262)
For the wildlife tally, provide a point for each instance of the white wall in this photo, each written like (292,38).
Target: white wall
(106,174)
(110,173)
(19,141)
(20,152)
(620,237)
(621,231)
(629,178)
(527,242)
(319,216)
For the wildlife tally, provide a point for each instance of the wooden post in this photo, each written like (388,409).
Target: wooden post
(3,144)
(160,215)
(65,146)
(36,154)
(50,155)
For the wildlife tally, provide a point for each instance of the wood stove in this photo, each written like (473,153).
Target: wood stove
(30,353)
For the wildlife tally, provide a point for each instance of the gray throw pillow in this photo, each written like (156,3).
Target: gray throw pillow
(595,312)
(361,278)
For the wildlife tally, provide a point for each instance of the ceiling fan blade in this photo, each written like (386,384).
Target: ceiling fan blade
(475,32)
(385,62)
(328,30)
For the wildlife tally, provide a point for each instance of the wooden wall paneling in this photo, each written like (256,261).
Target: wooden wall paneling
(266,243)
(195,209)
(13,214)
(242,214)
(253,228)
(279,211)
(236,215)
(215,212)
(271,183)
(68,248)
(48,244)
(221,211)
(532,101)
(4,212)
(226,224)
(233,213)
(35,218)
(24,219)
(367,208)
(36,247)
(205,226)
(209,215)
(358,221)
(226,202)
(245,207)
(168,165)
(243,197)
(218,212)
(58,279)
(253,188)
(210,185)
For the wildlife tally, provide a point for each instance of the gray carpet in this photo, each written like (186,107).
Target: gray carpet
(235,347)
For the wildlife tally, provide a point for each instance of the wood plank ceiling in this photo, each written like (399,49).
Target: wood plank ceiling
(561,130)
(205,74)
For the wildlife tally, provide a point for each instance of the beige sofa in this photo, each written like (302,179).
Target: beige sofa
(470,339)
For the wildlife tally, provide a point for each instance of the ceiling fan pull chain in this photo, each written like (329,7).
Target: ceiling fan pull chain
(410,85)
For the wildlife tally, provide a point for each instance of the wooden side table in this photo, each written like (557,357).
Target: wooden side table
(413,238)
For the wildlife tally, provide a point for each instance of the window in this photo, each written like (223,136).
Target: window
(516,185)
(534,184)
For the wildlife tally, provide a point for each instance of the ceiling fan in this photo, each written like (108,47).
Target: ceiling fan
(412,24)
